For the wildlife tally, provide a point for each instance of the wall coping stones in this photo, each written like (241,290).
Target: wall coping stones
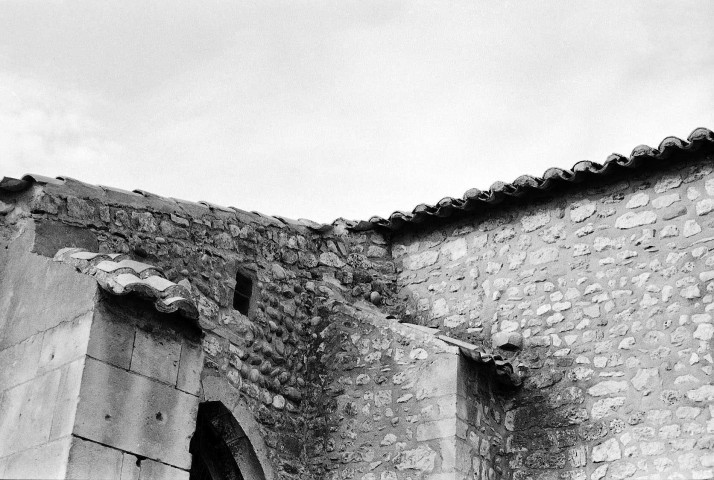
(504,370)
(368,314)
(119,275)
(364,312)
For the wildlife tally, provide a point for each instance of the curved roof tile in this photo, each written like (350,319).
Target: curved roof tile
(700,140)
(118,275)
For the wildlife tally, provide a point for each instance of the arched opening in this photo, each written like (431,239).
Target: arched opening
(221,450)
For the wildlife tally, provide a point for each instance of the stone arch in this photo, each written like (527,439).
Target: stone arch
(233,423)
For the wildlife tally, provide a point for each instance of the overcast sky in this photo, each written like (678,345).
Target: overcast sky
(342,109)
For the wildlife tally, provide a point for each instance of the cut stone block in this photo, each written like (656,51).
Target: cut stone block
(190,366)
(65,343)
(27,410)
(27,278)
(151,470)
(156,356)
(18,363)
(439,429)
(89,460)
(67,399)
(47,461)
(111,339)
(135,414)
(439,378)
(129,467)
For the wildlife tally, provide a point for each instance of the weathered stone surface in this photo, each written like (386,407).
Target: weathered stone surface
(28,409)
(19,363)
(705,206)
(422,260)
(440,379)
(421,459)
(156,356)
(599,473)
(608,387)
(151,470)
(28,277)
(91,460)
(668,182)
(65,407)
(535,220)
(704,331)
(607,451)
(507,340)
(607,282)
(581,211)
(46,461)
(606,406)
(135,414)
(190,367)
(51,236)
(455,249)
(65,343)
(6,208)
(440,308)
(704,393)
(632,219)
(638,200)
(709,186)
(646,377)
(111,340)
(439,429)
(330,259)
(544,255)
(666,200)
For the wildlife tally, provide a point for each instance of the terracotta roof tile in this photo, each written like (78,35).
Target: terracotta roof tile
(700,140)
(110,266)
(121,276)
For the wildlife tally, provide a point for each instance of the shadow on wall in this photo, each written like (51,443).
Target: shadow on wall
(221,450)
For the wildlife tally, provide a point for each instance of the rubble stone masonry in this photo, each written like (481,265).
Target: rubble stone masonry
(612,289)
(338,370)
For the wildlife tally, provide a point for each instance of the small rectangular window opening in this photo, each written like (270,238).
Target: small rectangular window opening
(243,292)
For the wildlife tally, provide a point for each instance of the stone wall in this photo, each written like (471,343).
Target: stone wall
(610,283)
(43,341)
(612,287)
(90,388)
(391,399)
(403,404)
(480,436)
(269,357)
(138,399)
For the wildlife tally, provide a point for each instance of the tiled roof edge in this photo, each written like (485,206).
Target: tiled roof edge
(700,140)
(118,275)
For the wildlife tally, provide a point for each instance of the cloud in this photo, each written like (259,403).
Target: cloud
(324,109)
(44,129)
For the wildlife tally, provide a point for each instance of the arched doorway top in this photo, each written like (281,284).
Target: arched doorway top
(217,389)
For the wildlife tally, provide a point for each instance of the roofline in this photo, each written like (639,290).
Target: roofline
(701,140)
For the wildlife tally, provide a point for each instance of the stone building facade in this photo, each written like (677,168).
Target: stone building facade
(552,328)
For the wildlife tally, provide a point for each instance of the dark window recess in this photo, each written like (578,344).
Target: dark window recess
(241,297)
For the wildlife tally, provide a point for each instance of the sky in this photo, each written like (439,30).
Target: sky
(325,109)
